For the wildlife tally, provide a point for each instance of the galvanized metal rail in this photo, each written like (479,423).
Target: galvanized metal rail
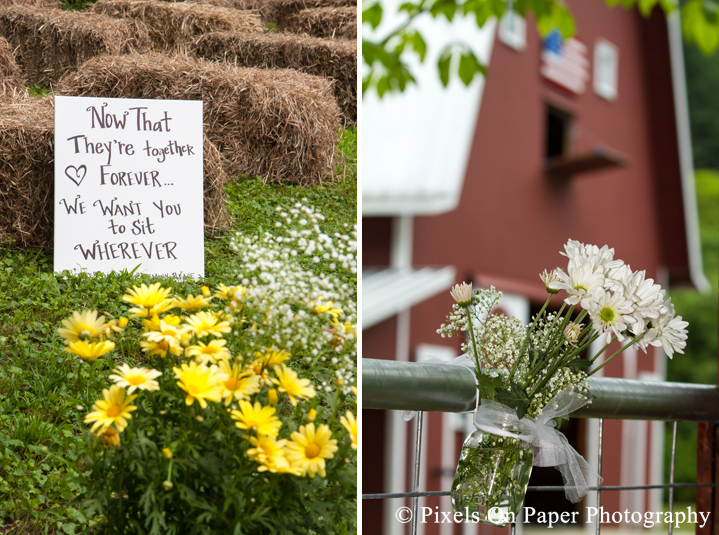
(415,386)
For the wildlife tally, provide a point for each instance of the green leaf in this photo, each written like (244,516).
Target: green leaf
(383,85)
(443,64)
(578,364)
(493,383)
(514,396)
(646,6)
(419,46)
(372,15)
(484,10)
(469,66)
(444,7)
(700,22)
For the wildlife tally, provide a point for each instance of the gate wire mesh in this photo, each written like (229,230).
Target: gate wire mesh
(416,494)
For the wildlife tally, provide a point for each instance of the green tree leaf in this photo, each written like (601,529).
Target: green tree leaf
(443,64)
(372,15)
(448,8)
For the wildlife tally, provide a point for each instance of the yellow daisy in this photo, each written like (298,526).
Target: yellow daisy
(192,303)
(149,300)
(116,326)
(292,385)
(83,326)
(239,385)
(200,382)
(173,335)
(161,349)
(270,454)
(349,423)
(326,307)
(213,352)
(153,323)
(271,357)
(229,292)
(309,449)
(204,323)
(114,409)
(90,352)
(135,378)
(257,418)
(110,438)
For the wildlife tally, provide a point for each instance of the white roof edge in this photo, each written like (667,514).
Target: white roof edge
(388,292)
(681,111)
(395,205)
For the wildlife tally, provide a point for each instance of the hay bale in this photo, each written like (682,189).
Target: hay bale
(243,5)
(10,76)
(26,171)
(281,125)
(50,43)
(330,58)
(27,175)
(173,26)
(327,22)
(280,11)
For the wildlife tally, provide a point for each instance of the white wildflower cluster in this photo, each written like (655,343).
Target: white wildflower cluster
(292,308)
(478,305)
(553,379)
(621,303)
(306,238)
(499,341)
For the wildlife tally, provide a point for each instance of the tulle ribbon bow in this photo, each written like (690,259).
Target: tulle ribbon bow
(551,447)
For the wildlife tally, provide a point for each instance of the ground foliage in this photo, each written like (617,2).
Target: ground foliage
(45,395)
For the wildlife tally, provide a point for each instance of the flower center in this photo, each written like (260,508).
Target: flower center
(84,335)
(210,350)
(231,383)
(113,411)
(163,345)
(312,450)
(607,314)
(136,380)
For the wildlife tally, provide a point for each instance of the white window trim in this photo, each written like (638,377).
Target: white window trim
(607,89)
(513,30)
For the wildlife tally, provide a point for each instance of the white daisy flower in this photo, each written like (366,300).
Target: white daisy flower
(669,332)
(610,312)
(581,281)
(462,293)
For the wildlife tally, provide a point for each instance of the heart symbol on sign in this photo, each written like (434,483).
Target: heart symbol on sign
(79,173)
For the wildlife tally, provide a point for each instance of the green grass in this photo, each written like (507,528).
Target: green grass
(44,397)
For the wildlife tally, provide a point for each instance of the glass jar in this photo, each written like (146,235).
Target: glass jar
(491,479)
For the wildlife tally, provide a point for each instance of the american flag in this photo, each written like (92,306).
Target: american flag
(565,62)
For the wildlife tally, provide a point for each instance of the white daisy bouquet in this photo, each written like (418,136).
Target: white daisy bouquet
(530,376)
(526,366)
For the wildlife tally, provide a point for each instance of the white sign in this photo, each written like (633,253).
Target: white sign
(128,186)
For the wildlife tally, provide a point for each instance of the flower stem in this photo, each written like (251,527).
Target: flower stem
(623,348)
(477,363)
(529,334)
(595,357)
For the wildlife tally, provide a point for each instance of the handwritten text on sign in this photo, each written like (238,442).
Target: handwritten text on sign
(128,185)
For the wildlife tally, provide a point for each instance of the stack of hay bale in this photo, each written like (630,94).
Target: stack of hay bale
(273,100)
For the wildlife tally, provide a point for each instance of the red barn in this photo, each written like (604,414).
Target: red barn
(585,139)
